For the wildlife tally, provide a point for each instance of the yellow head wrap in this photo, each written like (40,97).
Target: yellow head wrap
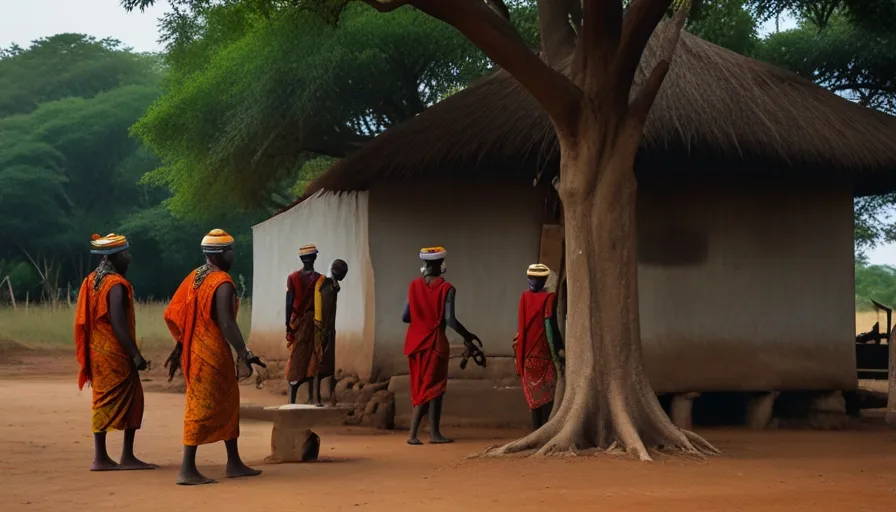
(307,250)
(109,244)
(216,241)
(538,270)
(433,253)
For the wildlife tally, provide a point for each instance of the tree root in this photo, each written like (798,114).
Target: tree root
(566,442)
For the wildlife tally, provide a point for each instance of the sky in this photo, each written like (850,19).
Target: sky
(22,21)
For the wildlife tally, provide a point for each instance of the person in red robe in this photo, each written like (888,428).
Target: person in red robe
(430,307)
(304,328)
(538,346)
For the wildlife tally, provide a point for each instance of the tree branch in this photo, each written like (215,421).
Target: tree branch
(641,19)
(640,106)
(502,44)
(599,38)
(387,5)
(558,39)
(499,7)
(335,144)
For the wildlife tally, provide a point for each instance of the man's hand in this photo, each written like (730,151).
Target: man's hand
(253,359)
(472,351)
(173,361)
(290,339)
(142,364)
(247,358)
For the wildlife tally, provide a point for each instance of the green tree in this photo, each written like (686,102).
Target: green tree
(877,282)
(64,66)
(258,89)
(727,23)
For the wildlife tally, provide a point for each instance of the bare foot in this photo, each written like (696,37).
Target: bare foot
(106,464)
(240,470)
(133,463)
(439,439)
(414,441)
(192,478)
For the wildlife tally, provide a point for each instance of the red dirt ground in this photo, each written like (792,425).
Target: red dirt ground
(45,448)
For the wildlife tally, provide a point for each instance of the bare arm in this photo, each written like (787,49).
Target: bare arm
(555,326)
(224,304)
(451,318)
(289,299)
(406,314)
(118,317)
(328,296)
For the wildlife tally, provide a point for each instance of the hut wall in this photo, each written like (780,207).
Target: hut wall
(741,287)
(747,287)
(337,224)
(492,233)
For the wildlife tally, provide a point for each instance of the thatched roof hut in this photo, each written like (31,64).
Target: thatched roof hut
(715,107)
(746,254)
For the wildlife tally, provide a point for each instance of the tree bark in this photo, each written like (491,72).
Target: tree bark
(608,401)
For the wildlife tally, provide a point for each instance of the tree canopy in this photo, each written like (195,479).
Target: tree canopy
(69,168)
(257,90)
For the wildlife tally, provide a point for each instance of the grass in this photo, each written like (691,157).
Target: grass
(865,320)
(47,327)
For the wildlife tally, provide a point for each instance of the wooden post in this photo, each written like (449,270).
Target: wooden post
(681,411)
(12,295)
(27,301)
(891,370)
(760,408)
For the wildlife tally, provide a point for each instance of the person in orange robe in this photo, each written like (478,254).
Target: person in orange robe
(538,347)
(107,353)
(304,326)
(202,320)
(430,307)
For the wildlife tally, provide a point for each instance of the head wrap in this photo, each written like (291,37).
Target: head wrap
(538,270)
(432,253)
(307,250)
(216,241)
(109,244)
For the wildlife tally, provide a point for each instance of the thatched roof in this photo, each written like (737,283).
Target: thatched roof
(716,107)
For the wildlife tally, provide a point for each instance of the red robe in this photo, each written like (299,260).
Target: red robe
(306,350)
(533,354)
(426,345)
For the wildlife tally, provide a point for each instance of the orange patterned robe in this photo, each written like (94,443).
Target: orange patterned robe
(117,392)
(213,394)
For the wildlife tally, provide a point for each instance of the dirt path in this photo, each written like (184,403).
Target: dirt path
(45,447)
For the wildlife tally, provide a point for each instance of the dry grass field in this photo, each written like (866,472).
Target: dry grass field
(48,327)
(865,320)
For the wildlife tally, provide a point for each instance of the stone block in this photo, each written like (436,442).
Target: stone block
(289,444)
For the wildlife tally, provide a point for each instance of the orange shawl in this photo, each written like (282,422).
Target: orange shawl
(213,397)
(117,392)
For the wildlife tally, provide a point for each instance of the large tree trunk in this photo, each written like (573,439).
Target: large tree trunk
(608,401)
(599,112)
